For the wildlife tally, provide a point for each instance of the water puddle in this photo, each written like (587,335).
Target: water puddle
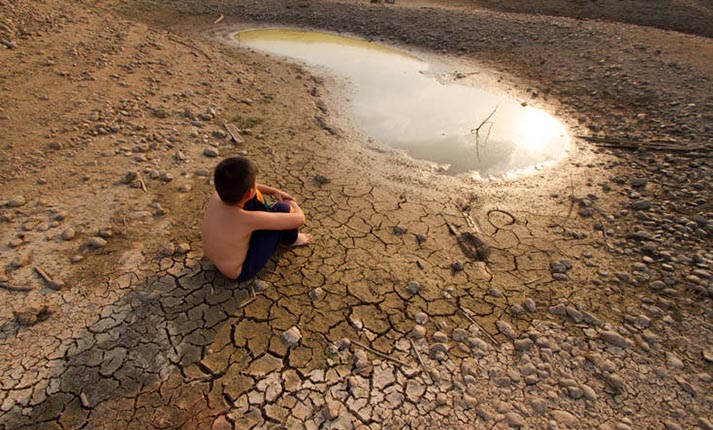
(398,103)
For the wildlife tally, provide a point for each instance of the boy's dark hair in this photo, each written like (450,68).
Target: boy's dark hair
(233,178)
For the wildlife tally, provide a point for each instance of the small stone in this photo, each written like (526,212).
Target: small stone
(506,329)
(469,401)
(529,305)
(523,345)
(211,152)
(76,258)
(16,202)
(673,362)
(614,338)
(708,355)
(331,410)
(514,420)
(414,391)
(400,230)
(413,287)
(457,266)
(459,335)
(32,314)
(292,336)
(565,418)
(316,294)
(420,318)
(440,337)
(168,250)
(183,248)
(97,242)
(321,179)
(21,260)
(185,188)
(68,234)
(640,205)
(418,332)
(15,243)
(638,182)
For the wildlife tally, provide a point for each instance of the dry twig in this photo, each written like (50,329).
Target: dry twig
(476,131)
(420,360)
(380,354)
(470,318)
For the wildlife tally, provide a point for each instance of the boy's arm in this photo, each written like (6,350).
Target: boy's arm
(278,194)
(260,220)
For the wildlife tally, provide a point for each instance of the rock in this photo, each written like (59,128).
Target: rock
(506,329)
(529,305)
(183,248)
(638,182)
(321,180)
(673,362)
(418,332)
(331,410)
(211,152)
(16,202)
(20,260)
(400,230)
(469,402)
(413,288)
(708,355)
(76,258)
(459,335)
(440,337)
(414,391)
(514,420)
(641,205)
(97,242)
(32,314)
(68,234)
(565,418)
(168,250)
(614,338)
(704,423)
(670,425)
(523,345)
(292,336)
(317,294)
(420,318)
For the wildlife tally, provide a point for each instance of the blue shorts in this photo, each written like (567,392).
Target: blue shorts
(264,243)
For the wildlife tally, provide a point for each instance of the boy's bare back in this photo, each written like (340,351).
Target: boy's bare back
(226,236)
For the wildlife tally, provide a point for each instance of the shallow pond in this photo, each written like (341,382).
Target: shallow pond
(398,103)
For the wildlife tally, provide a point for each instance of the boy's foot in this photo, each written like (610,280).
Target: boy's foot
(302,239)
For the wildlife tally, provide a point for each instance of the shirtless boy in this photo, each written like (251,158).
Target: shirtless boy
(240,231)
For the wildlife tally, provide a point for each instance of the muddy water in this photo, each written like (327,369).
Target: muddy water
(398,102)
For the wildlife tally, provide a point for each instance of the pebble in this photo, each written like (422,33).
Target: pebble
(530,305)
(331,410)
(506,329)
(211,152)
(459,335)
(316,294)
(413,287)
(514,420)
(418,332)
(523,345)
(32,314)
(15,243)
(16,202)
(440,337)
(614,338)
(565,418)
(420,318)
(292,336)
(76,258)
(168,250)
(183,248)
(400,230)
(97,242)
(640,205)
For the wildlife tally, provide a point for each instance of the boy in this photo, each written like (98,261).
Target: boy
(240,231)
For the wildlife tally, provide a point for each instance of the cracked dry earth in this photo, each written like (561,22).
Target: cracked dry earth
(425,302)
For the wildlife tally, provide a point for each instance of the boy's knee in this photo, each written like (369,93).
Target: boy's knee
(280,207)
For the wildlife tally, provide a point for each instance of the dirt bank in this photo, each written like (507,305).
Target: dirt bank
(587,304)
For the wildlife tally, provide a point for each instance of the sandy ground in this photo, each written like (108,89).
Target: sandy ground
(585,301)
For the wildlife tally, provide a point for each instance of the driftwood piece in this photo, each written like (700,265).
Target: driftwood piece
(234,133)
(420,360)
(7,286)
(380,354)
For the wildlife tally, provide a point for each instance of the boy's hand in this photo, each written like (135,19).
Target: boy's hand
(282,196)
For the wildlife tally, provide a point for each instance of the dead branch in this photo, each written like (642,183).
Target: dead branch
(467,313)
(420,360)
(380,354)
(10,287)
(476,131)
